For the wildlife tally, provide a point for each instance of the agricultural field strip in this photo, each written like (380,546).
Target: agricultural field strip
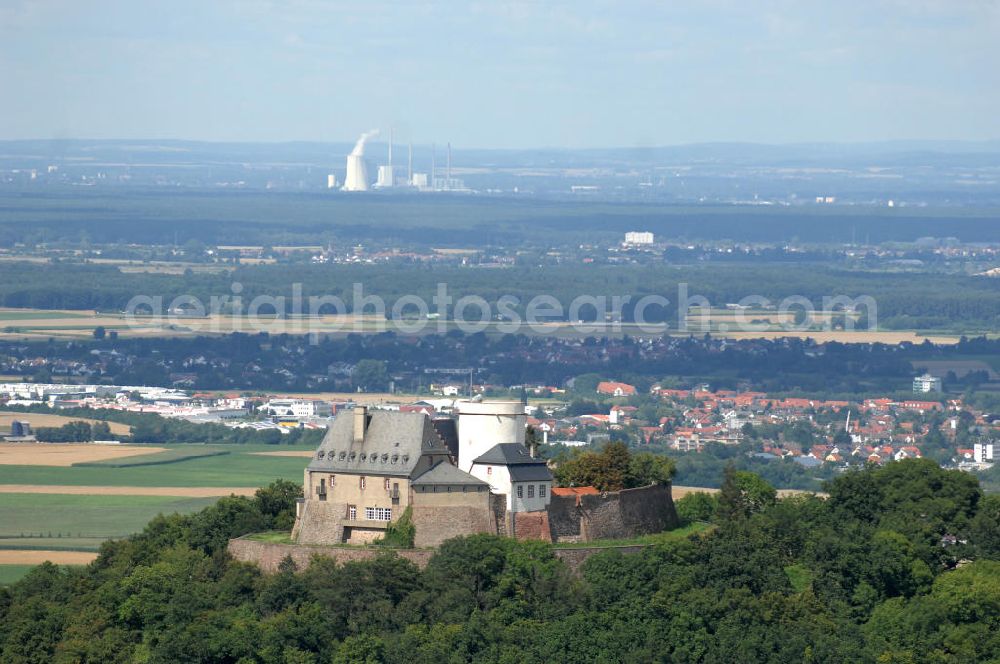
(99,490)
(68,454)
(12,557)
(50,420)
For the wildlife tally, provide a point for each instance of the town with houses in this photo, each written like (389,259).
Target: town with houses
(811,432)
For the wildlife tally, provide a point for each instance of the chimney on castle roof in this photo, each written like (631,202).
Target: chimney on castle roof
(360,423)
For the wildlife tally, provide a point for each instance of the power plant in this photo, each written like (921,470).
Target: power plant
(357,178)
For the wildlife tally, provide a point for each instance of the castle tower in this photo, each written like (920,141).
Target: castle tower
(482,425)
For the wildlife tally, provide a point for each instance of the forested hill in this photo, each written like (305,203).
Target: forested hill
(900,564)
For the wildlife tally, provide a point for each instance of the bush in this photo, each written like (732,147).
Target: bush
(697,506)
(400,534)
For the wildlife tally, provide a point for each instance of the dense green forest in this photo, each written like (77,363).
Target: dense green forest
(155,216)
(899,564)
(903,300)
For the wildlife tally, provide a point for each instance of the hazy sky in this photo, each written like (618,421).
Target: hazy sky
(502,74)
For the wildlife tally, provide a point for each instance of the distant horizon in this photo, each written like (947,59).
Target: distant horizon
(441,145)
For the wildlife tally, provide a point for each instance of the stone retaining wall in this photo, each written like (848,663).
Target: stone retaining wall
(613,514)
(268,555)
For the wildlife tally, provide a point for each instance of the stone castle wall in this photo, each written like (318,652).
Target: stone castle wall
(532,526)
(320,522)
(613,514)
(268,555)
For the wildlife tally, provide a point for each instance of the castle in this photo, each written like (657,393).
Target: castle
(473,475)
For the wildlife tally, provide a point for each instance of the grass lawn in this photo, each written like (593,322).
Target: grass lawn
(43,521)
(273,537)
(240,468)
(656,538)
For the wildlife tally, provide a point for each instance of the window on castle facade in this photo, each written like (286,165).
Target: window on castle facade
(520,491)
(378,513)
(352,512)
(541,490)
(531,491)
(387,484)
(361,482)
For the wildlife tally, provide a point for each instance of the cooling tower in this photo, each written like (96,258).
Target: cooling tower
(357,172)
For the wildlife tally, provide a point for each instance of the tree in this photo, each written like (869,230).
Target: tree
(100,431)
(742,493)
(586,383)
(696,506)
(370,375)
(99,332)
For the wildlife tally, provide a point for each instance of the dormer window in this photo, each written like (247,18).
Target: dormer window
(343,455)
(395,458)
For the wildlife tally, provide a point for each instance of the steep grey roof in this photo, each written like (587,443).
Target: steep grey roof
(522,466)
(507,454)
(445,473)
(535,472)
(392,445)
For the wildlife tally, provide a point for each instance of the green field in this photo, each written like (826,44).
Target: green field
(37,315)
(176,454)
(44,521)
(11,573)
(237,469)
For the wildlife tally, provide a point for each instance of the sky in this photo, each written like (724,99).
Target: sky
(574,74)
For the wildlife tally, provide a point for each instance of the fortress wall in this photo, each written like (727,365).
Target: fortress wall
(268,555)
(320,522)
(612,515)
(628,513)
(564,519)
(532,526)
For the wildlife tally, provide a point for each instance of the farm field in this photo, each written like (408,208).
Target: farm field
(49,420)
(961,367)
(64,518)
(67,454)
(63,513)
(38,324)
(240,468)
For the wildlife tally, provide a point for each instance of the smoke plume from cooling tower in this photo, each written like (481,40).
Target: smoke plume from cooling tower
(359,147)
(357,171)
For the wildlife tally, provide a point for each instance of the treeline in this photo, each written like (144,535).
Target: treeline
(153,428)
(903,300)
(78,431)
(141,215)
(900,564)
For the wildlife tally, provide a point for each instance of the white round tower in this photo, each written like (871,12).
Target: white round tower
(481,425)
